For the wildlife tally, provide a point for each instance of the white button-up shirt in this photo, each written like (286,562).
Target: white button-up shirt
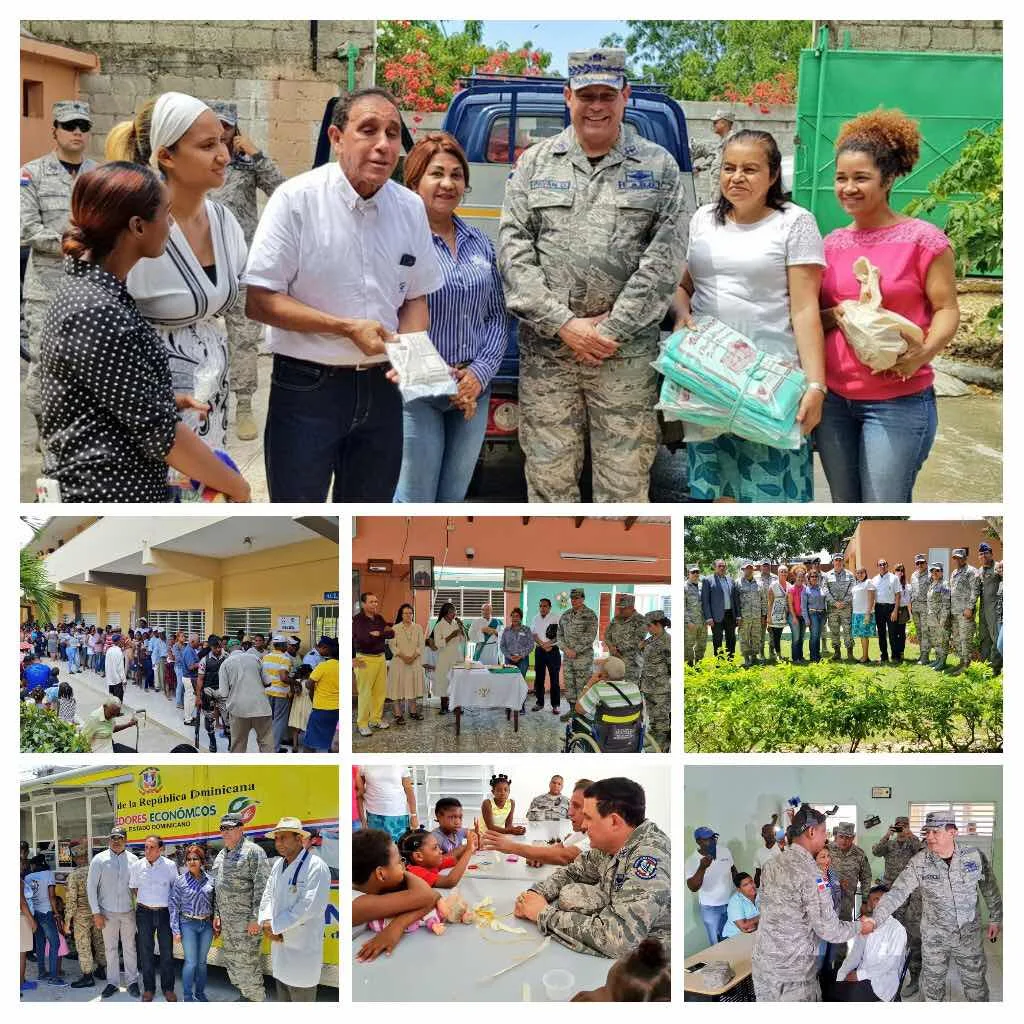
(878,958)
(153,881)
(322,243)
(294,902)
(108,882)
(886,587)
(113,667)
(539,626)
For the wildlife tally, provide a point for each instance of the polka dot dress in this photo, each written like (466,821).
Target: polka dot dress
(108,407)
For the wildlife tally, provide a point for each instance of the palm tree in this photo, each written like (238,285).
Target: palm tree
(36,588)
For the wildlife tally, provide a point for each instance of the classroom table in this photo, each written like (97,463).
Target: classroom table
(485,688)
(495,864)
(456,966)
(736,950)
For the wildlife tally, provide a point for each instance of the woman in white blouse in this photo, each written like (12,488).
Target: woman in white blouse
(863,606)
(778,612)
(449,642)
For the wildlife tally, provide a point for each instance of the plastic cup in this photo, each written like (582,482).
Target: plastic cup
(558,985)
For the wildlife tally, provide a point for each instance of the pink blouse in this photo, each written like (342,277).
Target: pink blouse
(903,252)
(797,590)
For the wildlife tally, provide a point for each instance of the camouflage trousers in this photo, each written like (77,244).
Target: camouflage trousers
(575,673)
(921,628)
(938,639)
(909,915)
(750,633)
(35,314)
(241,953)
(244,339)
(769,989)
(658,702)
(88,943)
(560,398)
(840,622)
(963,637)
(696,636)
(965,948)
(988,630)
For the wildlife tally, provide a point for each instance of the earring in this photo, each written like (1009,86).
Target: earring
(467,190)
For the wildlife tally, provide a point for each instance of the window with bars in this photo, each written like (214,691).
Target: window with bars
(248,620)
(469,600)
(843,812)
(976,822)
(323,621)
(191,620)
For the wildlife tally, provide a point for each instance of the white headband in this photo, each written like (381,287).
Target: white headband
(173,114)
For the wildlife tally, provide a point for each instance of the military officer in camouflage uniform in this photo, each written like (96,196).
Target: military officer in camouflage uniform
(997,648)
(838,589)
(752,605)
(949,877)
(988,584)
(722,125)
(656,680)
(695,629)
(577,631)
(46,185)
(249,170)
(851,866)
(625,634)
(964,588)
(897,847)
(592,241)
(939,620)
(766,579)
(92,957)
(552,805)
(920,584)
(240,872)
(796,914)
(617,893)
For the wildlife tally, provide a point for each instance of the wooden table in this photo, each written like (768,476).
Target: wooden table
(486,688)
(736,951)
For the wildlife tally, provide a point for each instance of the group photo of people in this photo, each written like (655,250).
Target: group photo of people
(455,650)
(819,885)
(543,886)
(912,605)
(179,884)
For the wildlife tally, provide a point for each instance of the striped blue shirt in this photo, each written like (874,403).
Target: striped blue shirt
(468,321)
(189,896)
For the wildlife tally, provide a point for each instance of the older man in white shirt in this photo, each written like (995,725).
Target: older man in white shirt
(547,658)
(342,258)
(887,588)
(245,699)
(110,901)
(485,636)
(871,971)
(113,668)
(292,913)
(150,882)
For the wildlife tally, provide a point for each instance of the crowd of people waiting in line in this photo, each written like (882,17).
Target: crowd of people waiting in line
(404,663)
(230,686)
(152,902)
(959,615)
(133,353)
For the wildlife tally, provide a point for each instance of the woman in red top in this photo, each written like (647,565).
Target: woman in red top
(794,598)
(423,857)
(877,428)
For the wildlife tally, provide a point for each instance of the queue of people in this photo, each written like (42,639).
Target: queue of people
(961,615)
(404,663)
(596,243)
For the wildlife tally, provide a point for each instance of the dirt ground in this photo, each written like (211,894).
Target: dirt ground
(967,346)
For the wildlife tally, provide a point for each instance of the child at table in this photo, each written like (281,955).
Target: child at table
(499,809)
(450,834)
(423,857)
(641,976)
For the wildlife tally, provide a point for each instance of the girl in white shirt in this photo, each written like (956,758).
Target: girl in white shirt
(863,604)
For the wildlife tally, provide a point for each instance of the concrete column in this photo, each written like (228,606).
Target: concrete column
(214,608)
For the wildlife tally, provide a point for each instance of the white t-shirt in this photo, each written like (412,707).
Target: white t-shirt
(765,854)
(886,586)
(322,243)
(861,597)
(539,626)
(383,790)
(153,881)
(37,891)
(739,272)
(717,887)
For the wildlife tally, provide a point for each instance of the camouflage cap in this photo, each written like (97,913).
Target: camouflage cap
(721,114)
(71,110)
(959,552)
(627,599)
(846,828)
(227,113)
(597,67)
(230,821)
(693,568)
(920,558)
(118,833)
(746,563)
(577,592)
(766,561)
(656,616)
(936,566)
(938,819)
(839,555)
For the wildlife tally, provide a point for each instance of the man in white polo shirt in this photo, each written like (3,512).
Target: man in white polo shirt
(150,881)
(711,873)
(342,258)
(547,658)
(887,586)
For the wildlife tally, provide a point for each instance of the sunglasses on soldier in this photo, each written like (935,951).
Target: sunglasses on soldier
(72,126)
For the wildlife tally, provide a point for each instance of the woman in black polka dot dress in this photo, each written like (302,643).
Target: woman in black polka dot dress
(112,437)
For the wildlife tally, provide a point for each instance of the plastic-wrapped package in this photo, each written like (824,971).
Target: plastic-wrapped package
(720,383)
(422,373)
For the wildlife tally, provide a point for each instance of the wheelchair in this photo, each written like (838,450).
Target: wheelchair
(614,730)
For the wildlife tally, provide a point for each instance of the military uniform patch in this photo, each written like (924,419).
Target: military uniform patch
(822,884)
(551,183)
(646,868)
(639,181)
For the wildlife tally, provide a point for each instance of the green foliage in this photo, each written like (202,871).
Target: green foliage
(834,708)
(36,588)
(42,732)
(707,60)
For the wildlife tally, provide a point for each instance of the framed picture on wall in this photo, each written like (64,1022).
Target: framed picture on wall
(421,572)
(513,577)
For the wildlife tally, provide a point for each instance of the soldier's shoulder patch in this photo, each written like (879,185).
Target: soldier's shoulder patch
(646,867)
(618,882)
(26,177)
(821,883)
(972,861)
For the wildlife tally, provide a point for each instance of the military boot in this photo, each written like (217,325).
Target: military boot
(245,423)
(939,664)
(911,988)
(961,665)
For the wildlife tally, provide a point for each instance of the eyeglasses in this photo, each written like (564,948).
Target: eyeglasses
(75,126)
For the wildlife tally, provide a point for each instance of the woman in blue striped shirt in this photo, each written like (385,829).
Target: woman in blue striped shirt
(468,326)
(190,907)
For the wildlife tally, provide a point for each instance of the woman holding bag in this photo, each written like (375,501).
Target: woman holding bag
(877,428)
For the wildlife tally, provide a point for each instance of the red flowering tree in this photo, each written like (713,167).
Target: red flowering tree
(780,89)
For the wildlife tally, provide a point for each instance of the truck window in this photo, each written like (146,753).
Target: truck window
(529,130)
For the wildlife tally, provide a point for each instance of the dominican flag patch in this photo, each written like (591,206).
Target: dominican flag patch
(822,884)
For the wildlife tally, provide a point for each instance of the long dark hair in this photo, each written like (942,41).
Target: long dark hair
(401,608)
(775,199)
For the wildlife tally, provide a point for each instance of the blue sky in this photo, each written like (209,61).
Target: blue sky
(559,37)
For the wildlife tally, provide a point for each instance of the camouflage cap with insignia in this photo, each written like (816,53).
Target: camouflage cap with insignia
(846,828)
(959,552)
(838,556)
(656,616)
(938,819)
(597,67)
(936,566)
(227,113)
(71,110)
(721,114)
(577,592)
(693,568)
(920,558)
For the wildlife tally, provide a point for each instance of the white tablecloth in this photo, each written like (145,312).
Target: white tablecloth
(495,864)
(452,967)
(480,688)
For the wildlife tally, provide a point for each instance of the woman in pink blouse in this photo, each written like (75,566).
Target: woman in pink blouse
(794,599)
(877,428)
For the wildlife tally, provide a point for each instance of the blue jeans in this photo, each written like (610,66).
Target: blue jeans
(72,660)
(441,448)
(46,933)
(796,631)
(714,919)
(196,937)
(325,421)
(817,620)
(872,451)
(179,690)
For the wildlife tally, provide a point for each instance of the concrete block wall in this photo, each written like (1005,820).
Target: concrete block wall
(946,36)
(271,69)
